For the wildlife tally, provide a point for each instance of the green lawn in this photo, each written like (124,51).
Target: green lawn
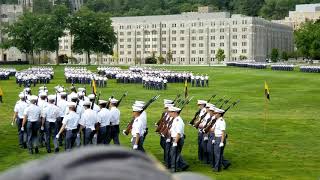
(284,146)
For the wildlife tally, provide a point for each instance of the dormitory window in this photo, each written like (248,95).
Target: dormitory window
(194,24)
(174,45)
(121,33)
(66,47)
(221,44)
(174,38)
(234,51)
(138,46)
(221,30)
(128,33)
(60,47)
(154,32)
(193,31)
(154,39)
(213,38)
(213,30)
(213,51)
(181,38)
(164,45)
(163,25)
(174,52)
(147,39)
(201,52)
(244,36)
(121,46)
(193,52)
(181,31)
(138,39)
(194,38)
(174,25)
(164,39)
(200,23)
(194,45)
(201,45)
(244,43)
(181,52)
(138,52)
(234,30)
(128,27)
(234,44)
(244,51)
(164,52)
(201,38)
(234,22)
(154,46)
(244,29)
(164,32)
(234,37)
(154,26)
(129,52)
(181,25)
(212,59)
(200,30)
(181,45)
(221,37)
(244,21)
(213,44)
(66,41)
(129,40)
(129,46)
(121,52)
(147,46)
(138,33)
(121,40)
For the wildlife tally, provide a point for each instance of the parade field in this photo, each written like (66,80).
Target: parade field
(276,139)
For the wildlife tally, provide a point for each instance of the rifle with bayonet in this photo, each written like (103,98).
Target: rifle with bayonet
(129,126)
(199,110)
(124,95)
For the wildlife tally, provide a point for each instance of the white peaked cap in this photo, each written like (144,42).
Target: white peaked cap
(87,103)
(136,109)
(219,110)
(91,96)
(63,93)
(71,104)
(202,102)
(168,105)
(139,102)
(51,97)
(113,100)
(173,109)
(80,93)
(103,102)
(42,93)
(208,105)
(33,98)
(138,105)
(21,95)
(81,89)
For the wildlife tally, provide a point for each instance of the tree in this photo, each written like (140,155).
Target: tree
(243,57)
(161,59)
(23,34)
(274,55)
(92,33)
(220,56)
(42,6)
(247,7)
(169,57)
(284,56)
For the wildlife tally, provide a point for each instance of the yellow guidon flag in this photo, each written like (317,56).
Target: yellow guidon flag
(94,87)
(266,90)
(186,88)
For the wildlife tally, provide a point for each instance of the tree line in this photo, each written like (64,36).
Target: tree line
(34,33)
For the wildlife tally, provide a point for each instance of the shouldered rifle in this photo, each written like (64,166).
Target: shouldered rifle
(161,122)
(98,98)
(210,123)
(177,97)
(124,95)
(129,126)
(186,102)
(56,101)
(197,123)
(231,105)
(219,100)
(108,104)
(199,110)
(224,103)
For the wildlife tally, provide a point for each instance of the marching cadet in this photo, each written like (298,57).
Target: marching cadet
(205,139)
(143,117)
(70,124)
(206,78)
(137,130)
(19,108)
(32,120)
(92,99)
(177,136)
(201,105)
(62,105)
(42,103)
(219,129)
(88,122)
(104,123)
(114,122)
(49,121)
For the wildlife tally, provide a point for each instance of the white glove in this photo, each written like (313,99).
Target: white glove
(11,123)
(221,144)
(57,136)
(135,147)
(213,141)
(168,140)
(95,136)
(42,128)
(78,135)
(174,144)
(22,128)
(123,132)
(205,138)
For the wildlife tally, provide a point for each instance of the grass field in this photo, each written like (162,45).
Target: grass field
(284,146)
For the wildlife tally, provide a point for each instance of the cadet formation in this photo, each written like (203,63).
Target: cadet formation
(5,73)
(33,76)
(80,75)
(282,67)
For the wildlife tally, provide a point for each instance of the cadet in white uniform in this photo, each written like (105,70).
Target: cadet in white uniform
(42,103)
(49,120)
(70,124)
(137,130)
(201,105)
(114,122)
(143,117)
(177,136)
(62,104)
(88,123)
(32,118)
(95,107)
(104,123)
(219,129)
(19,108)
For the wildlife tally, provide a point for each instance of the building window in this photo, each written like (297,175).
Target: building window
(174,38)
(181,31)
(129,46)
(213,30)
(234,30)
(174,45)
(138,46)
(121,53)
(121,33)
(244,43)
(174,52)
(244,29)
(164,39)
(244,36)
(154,39)
(193,52)
(194,45)
(163,25)
(147,46)
(147,39)
(244,51)
(213,44)
(221,44)
(221,30)
(200,38)
(234,36)
(164,52)
(138,33)
(121,40)
(234,44)
(200,51)
(129,40)
(129,52)
(164,45)
(221,37)
(174,25)
(193,31)
(213,51)
(121,46)
(201,45)
(181,38)
(66,47)
(154,32)
(234,51)
(181,52)
(194,38)
(154,46)
(212,37)
(201,31)
(138,52)
(182,45)
(129,33)
(182,25)
(164,32)
(138,39)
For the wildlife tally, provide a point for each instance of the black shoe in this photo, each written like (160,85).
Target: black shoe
(36,150)
(60,144)
(56,150)
(30,151)
(216,170)
(48,150)
(185,167)
(24,146)
(227,166)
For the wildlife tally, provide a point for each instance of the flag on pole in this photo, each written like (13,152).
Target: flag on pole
(266,90)
(185,89)
(94,87)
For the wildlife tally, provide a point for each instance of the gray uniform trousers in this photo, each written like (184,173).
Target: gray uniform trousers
(200,146)
(70,139)
(163,146)
(167,154)
(32,134)
(218,155)
(140,143)
(102,135)
(177,161)
(114,134)
(22,135)
(88,136)
(51,130)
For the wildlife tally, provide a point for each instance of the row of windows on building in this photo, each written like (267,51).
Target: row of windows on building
(194,38)
(234,51)
(193,31)
(174,25)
